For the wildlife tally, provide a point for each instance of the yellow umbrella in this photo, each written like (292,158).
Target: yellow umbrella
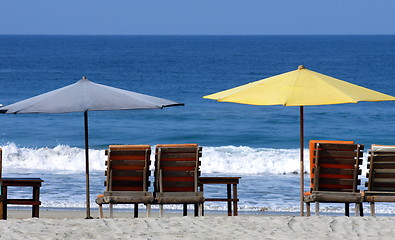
(301,87)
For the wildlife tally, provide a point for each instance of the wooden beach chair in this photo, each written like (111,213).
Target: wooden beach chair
(381,176)
(127,178)
(334,176)
(177,168)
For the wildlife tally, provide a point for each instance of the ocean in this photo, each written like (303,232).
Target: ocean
(257,143)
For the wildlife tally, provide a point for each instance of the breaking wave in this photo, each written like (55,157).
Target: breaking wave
(225,159)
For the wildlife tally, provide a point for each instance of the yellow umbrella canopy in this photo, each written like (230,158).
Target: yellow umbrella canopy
(301,87)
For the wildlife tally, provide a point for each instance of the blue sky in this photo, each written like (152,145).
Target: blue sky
(185,17)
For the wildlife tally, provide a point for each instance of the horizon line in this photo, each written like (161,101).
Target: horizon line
(45,34)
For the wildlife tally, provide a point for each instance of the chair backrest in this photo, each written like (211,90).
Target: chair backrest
(336,167)
(128,168)
(177,167)
(312,153)
(381,165)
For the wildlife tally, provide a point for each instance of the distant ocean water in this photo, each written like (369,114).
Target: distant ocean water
(258,143)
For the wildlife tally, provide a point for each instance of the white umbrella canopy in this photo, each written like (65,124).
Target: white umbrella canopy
(84,96)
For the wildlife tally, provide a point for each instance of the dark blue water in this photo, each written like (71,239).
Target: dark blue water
(184,69)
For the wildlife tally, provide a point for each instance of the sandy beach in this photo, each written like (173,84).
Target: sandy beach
(72,225)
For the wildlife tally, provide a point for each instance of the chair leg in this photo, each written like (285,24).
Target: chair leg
(136,210)
(357,208)
(317,208)
(196,209)
(101,211)
(361,209)
(308,209)
(200,209)
(185,210)
(161,210)
(372,209)
(347,209)
(111,210)
(148,210)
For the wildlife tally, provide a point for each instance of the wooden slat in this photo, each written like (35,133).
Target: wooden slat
(378,176)
(128,178)
(124,168)
(380,153)
(384,165)
(178,173)
(384,170)
(179,163)
(127,157)
(336,176)
(178,149)
(130,152)
(127,183)
(177,168)
(384,189)
(382,185)
(178,179)
(178,189)
(129,173)
(339,171)
(337,189)
(337,154)
(343,182)
(128,163)
(183,155)
(350,147)
(384,180)
(346,161)
(128,188)
(178,184)
(384,158)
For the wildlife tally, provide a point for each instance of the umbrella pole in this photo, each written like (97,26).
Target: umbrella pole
(88,209)
(301,162)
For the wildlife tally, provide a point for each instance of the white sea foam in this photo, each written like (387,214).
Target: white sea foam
(59,158)
(226,159)
(247,160)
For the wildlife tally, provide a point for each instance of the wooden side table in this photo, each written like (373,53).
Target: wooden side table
(230,198)
(35,183)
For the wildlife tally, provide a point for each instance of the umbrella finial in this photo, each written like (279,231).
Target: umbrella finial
(301,67)
(83,77)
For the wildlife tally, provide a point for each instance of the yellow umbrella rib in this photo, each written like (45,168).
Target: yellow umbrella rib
(355,92)
(314,89)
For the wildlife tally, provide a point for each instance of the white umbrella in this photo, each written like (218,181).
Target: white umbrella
(84,96)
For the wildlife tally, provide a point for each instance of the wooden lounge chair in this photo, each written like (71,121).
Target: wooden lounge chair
(334,176)
(177,168)
(381,176)
(127,179)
